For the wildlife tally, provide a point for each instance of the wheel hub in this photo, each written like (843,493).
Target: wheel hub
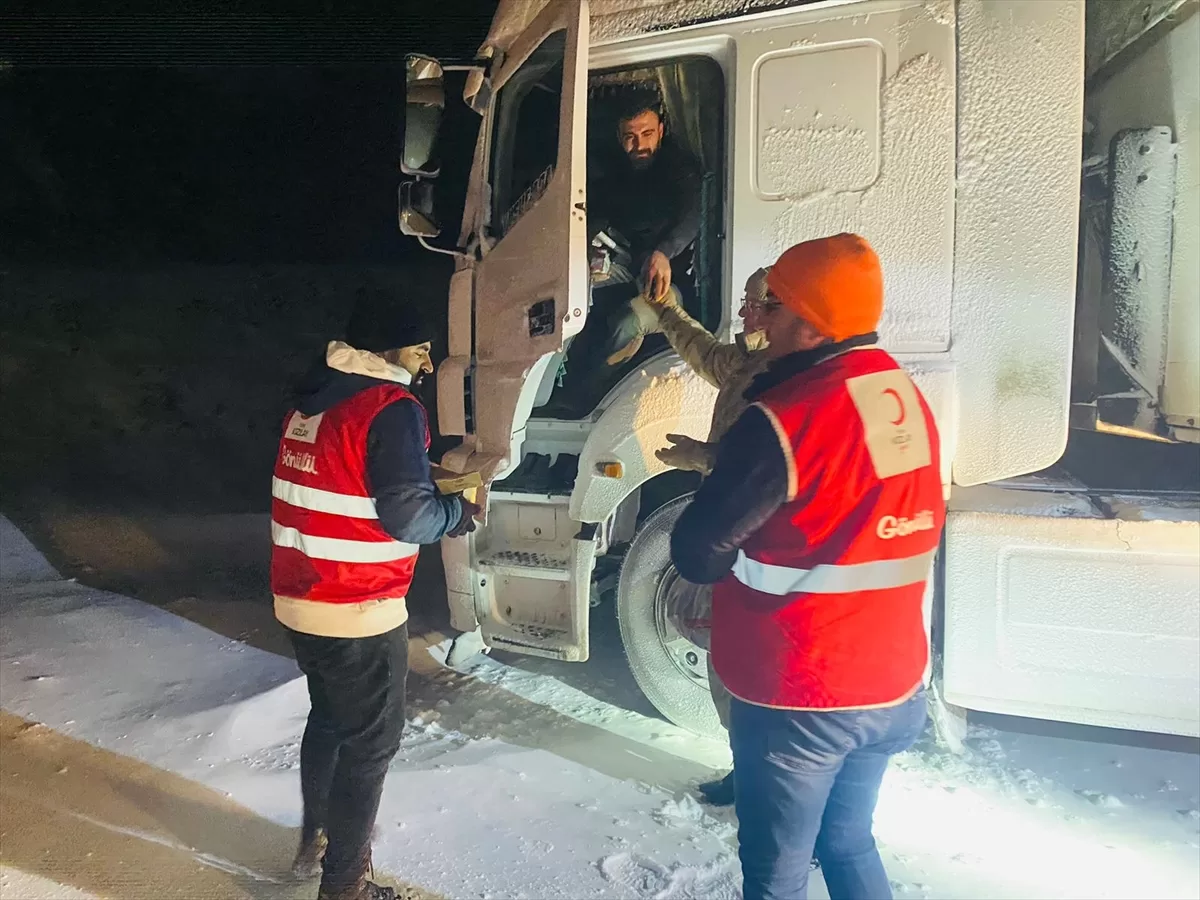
(688,657)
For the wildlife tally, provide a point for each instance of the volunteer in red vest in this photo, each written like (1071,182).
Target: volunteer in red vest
(352,502)
(818,526)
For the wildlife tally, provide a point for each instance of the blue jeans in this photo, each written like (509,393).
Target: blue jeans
(808,781)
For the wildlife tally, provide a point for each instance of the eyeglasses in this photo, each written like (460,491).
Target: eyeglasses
(768,306)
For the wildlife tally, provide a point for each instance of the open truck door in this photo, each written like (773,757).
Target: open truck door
(530,285)
(511,315)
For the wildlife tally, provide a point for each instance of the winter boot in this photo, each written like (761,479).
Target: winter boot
(308,858)
(356,885)
(718,793)
(363,889)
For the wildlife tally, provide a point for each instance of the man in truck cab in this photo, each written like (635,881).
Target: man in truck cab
(730,368)
(352,501)
(650,197)
(818,526)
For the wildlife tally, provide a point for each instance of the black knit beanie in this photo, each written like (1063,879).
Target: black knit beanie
(381,322)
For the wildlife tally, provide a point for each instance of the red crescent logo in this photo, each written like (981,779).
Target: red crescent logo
(899,420)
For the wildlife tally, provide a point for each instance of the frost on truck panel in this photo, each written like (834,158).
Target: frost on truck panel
(665,397)
(799,158)
(1015,237)
(905,213)
(612,19)
(623,18)
(620,18)
(817,128)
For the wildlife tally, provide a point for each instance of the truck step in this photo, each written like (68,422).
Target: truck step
(535,641)
(528,564)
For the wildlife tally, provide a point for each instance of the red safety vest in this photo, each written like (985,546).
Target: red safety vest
(823,607)
(328,544)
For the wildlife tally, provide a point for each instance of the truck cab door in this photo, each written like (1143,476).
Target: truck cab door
(525,578)
(530,286)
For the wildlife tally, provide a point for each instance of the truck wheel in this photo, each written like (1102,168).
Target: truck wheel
(671,670)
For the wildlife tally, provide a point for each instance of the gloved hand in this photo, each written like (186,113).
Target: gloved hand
(640,320)
(687,454)
(466,522)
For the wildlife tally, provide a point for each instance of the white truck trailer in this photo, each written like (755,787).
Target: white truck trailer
(951,135)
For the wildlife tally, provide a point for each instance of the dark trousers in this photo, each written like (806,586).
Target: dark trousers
(808,781)
(356,686)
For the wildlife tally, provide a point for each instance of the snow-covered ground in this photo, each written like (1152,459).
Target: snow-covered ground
(472,814)
(20,885)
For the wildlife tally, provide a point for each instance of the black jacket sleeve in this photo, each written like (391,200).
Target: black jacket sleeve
(685,214)
(747,485)
(409,505)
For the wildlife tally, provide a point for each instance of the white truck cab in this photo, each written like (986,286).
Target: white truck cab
(949,135)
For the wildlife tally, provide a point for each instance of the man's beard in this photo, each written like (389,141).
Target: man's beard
(641,162)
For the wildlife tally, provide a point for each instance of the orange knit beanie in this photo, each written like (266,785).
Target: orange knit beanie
(833,283)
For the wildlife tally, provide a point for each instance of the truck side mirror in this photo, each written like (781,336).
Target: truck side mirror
(425,98)
(416,210)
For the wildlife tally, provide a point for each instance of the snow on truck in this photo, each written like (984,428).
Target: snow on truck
(1059,352)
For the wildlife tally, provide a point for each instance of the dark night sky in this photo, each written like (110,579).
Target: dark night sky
(141,141)
(139,157)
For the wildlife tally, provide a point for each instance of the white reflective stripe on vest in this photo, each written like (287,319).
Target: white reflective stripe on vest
(869,576)
(341,550)
(318,500)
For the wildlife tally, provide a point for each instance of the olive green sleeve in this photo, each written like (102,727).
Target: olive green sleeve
(712,360)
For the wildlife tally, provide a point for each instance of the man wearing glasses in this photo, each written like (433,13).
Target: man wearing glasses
(730,368)
(817,624)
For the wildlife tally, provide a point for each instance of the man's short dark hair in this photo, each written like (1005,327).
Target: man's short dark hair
(636,103)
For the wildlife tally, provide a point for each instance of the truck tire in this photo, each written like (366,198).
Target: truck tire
(670,670)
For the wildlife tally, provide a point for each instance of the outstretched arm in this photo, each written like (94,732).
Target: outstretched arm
(409,505)
(712,360)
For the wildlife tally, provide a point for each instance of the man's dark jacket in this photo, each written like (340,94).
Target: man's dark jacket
(409,505)
(656,208)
